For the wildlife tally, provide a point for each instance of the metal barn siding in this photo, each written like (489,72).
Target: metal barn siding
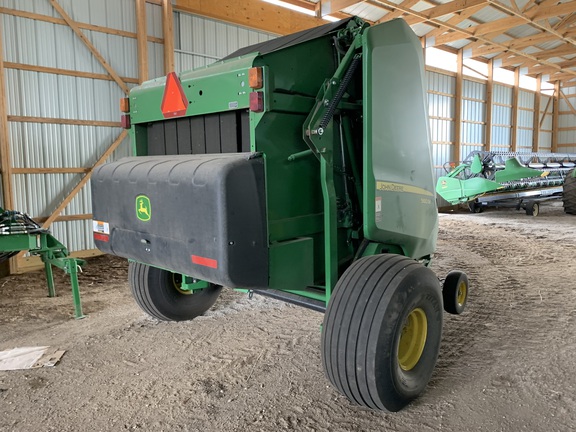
(200,41)
(525,121)
(473,136)
(501,117)
(49,142)
(441,89)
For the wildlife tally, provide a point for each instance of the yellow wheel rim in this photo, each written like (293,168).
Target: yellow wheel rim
(177,282)
(462,293)
(412,339)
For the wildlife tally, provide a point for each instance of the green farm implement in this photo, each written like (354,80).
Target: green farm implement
(521,180)
(298,168)
(20,233)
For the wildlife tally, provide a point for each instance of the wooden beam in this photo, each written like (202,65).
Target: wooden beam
(90,46)
(328,7)
(555,116)
(50,170)
(83,26)
(445,9)
(168,30)
(74,122)
(84,180)
(67,72)
(489,92)
(453,21)
(510,22)
(536,117)
(64,218)
(458,108)
(5,154)
(141,41)
(398,13)
(515,94)
(255,14)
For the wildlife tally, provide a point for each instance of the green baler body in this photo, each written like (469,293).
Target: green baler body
(367,187)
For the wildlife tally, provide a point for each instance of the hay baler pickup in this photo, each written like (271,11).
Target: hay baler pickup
(298,168)
(510,179)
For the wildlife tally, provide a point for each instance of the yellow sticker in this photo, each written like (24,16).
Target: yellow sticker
(399,187)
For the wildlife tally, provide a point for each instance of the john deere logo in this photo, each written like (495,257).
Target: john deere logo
(143,208)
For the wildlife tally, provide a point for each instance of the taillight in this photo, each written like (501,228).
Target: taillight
(256,101)
(125,121)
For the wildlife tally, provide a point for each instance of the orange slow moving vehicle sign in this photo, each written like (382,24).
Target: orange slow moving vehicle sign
(174,101)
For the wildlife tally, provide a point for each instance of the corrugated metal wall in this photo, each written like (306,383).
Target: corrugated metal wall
(48,144)
(501,117)
(473,117)
(441,89)
(525,119)
(567,122)
(200,41)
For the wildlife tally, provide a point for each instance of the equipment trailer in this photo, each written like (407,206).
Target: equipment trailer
(298,168)
(509,179)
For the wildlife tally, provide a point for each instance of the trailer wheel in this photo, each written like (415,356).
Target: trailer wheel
(455,292)
(569,193)
(382,330)
(532,209)
(157,292)
(475,207)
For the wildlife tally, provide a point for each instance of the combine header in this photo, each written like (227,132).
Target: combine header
(288,169)
(520,180)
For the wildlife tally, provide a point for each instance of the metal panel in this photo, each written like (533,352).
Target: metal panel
(200,41)
(45,145)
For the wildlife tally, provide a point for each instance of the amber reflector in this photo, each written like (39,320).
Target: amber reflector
(255,77)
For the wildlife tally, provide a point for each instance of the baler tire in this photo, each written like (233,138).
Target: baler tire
(455,291)
(155,292)
(569,194)
(365,322)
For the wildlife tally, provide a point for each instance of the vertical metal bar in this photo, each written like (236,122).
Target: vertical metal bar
(49,279)
(330,227)
(72,270)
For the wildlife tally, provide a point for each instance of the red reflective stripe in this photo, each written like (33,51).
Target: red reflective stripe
(207,262)
(102,237)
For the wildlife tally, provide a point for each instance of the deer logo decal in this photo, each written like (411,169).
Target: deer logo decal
(143,208)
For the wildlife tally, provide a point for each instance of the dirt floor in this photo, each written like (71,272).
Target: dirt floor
(506,364)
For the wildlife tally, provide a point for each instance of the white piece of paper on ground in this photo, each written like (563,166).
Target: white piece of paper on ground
(29,357)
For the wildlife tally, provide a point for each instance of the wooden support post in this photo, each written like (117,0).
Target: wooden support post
(555,116)
(536,118)
(489,90)
(457,155)
(168,30)
(5,157)
(142,41)
(515,94)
